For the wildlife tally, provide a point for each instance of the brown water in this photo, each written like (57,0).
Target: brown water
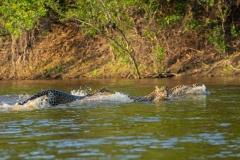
(197,128)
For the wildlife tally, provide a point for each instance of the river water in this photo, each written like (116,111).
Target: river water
(205,127)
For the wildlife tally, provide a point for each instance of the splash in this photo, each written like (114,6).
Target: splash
(199,90)
(101,97)
(79,92)
(108,97)
(31,105)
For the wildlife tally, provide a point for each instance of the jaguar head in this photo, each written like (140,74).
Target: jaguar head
(160,93)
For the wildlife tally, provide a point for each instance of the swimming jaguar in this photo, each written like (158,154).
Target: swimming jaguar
(55,97)
(163,93)
(160,93)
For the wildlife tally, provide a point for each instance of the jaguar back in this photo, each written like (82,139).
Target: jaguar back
(198,89)
(54,97)
(178,90)
(57,97)
(194,89)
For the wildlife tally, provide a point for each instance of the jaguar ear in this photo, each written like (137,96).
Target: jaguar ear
(156,87)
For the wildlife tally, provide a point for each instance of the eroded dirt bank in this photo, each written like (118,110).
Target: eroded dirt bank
(62,51)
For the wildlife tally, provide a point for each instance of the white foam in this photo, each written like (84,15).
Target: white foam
(199,90)
(101,97)
(30,105)
(79,92)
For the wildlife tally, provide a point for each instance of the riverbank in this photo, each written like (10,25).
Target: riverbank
(63,51)
(119,39)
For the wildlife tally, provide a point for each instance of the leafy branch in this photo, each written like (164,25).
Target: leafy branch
(100,14)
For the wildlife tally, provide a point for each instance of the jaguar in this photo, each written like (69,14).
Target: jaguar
(160,93)
(55,97)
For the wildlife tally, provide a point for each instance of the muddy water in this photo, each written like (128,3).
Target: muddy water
(194,128)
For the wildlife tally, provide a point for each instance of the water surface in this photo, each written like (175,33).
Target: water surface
(194,128)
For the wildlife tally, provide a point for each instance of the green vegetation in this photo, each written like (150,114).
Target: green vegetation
(215,22)
(19,16)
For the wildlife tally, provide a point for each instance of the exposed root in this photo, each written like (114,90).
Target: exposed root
(225,62)
(215,65)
